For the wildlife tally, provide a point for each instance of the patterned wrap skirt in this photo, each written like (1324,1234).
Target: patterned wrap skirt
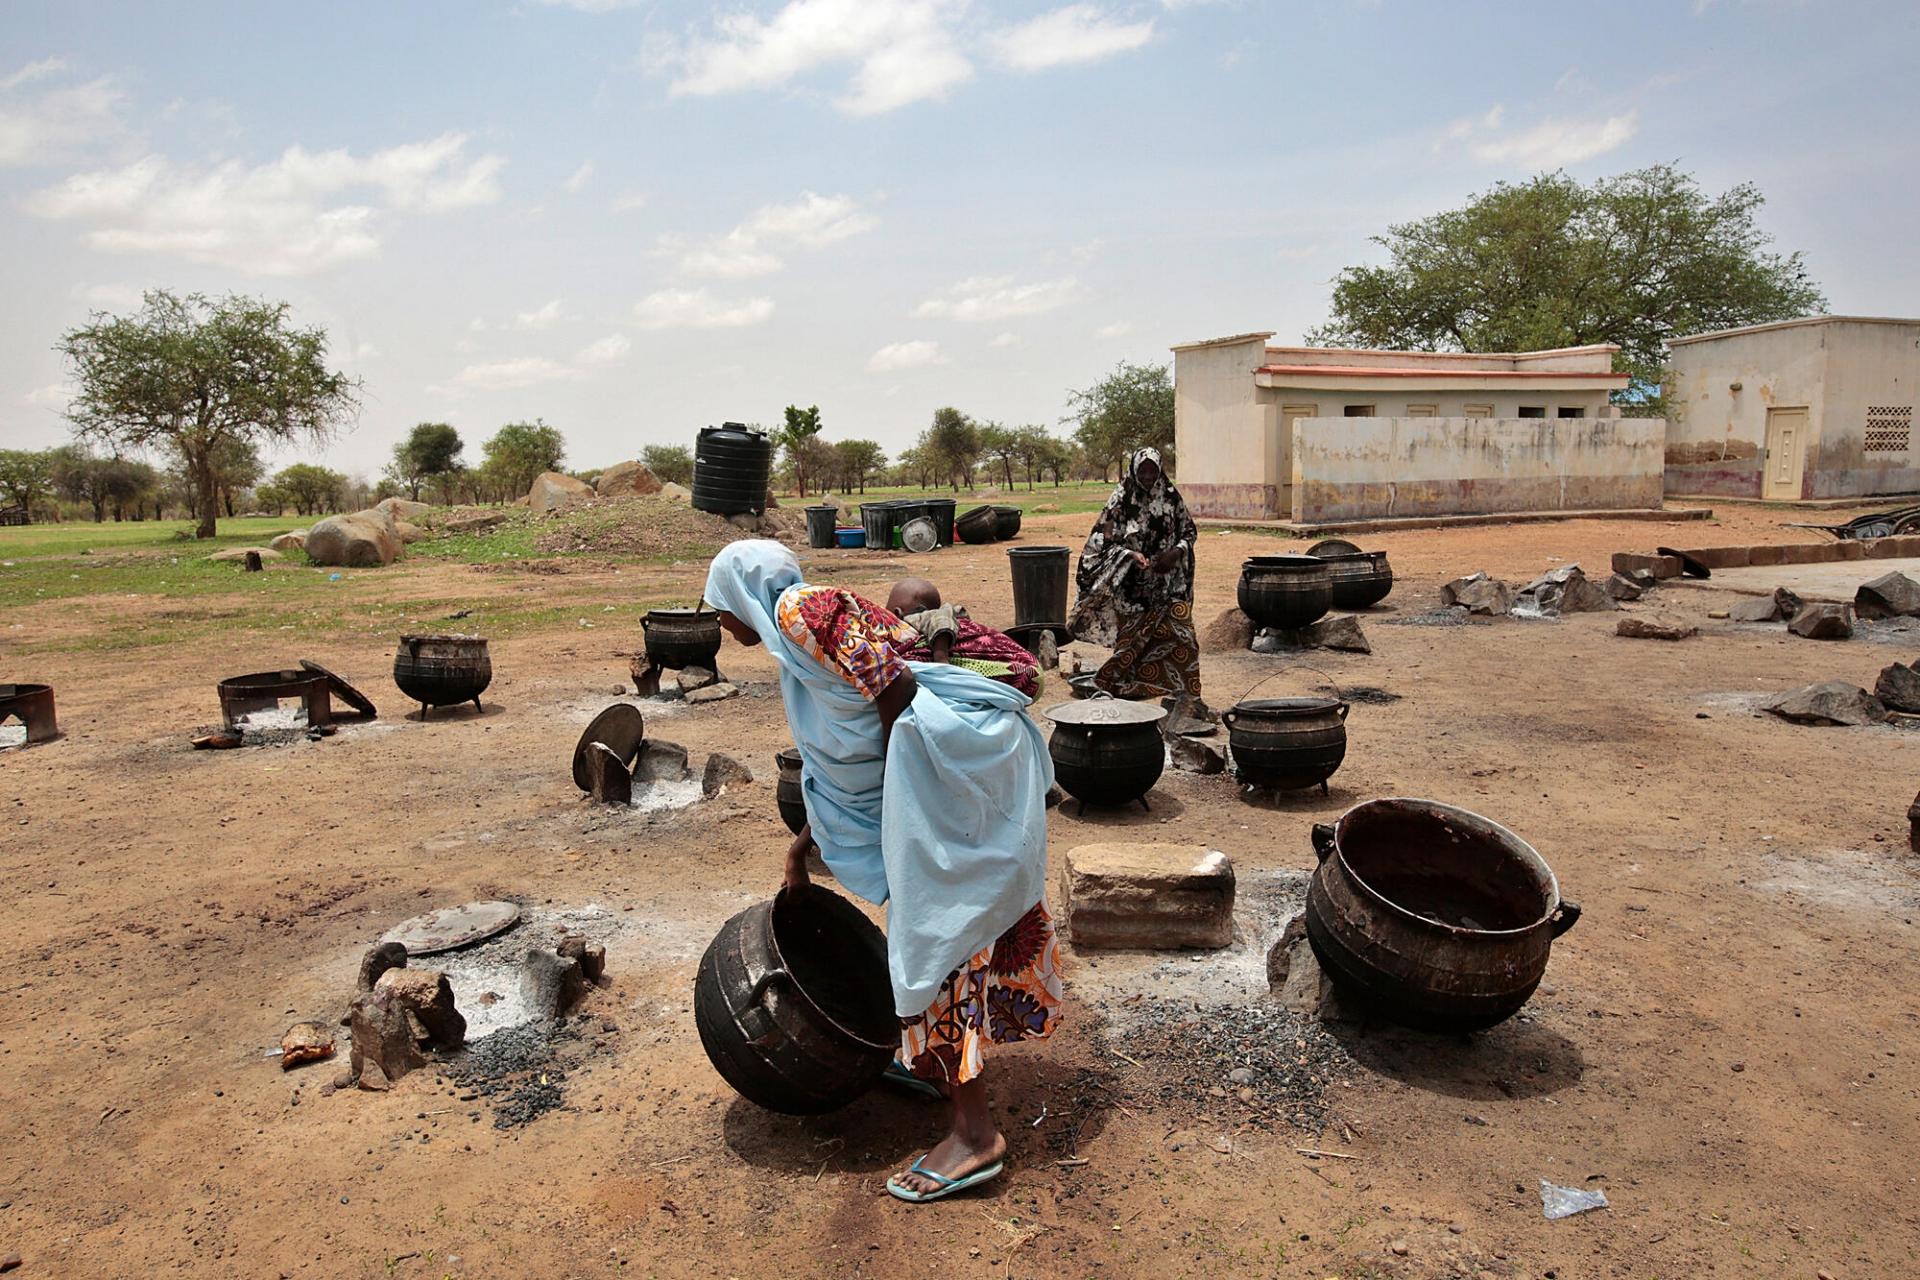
(1005,993)
(1155,654)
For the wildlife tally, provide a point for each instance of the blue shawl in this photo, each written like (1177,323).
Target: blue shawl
(946,825)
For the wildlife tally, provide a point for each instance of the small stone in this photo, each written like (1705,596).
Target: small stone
(1759,609)
(591,959)
(1823,622)
(1823,1275)
(1621,587)
(714,692)
(1718,615)
(1739,1067)
(1831,702)
(305,1042)
(1267,642)
(1246,1096)
(1337,632)
(1241,1075)
(1892,595)
(723,771)
(1637,628)
(661,761)
(9,1262)
(1398,1248)
(1456,1229)
(1193,756)
(1899,688)
(691,678)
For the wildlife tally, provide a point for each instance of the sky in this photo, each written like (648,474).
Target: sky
(635,219)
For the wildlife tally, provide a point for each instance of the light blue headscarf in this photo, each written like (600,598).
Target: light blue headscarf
(947,824)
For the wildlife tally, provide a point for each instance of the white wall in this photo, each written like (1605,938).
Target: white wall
(1718,435)
(1223,462)
(1867,365)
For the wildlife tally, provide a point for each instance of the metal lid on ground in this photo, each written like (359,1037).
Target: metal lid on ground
(359,701)
(452,927)
(919,535)
(1102,710)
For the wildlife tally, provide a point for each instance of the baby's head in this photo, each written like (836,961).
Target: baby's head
(912,595)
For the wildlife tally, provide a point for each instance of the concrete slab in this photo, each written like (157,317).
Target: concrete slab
(1833,582)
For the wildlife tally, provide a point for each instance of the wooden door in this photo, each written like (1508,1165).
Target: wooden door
(1786,452)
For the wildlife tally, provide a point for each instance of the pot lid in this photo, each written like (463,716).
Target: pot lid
(919,535)
(1106,711)
(340,689)
(1282,562)
(683,613)
(620,728)
(1333,547)
(451,927)
(1287,706)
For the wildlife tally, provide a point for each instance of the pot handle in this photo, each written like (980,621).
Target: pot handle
(1338,693)
(1227,718)
(771,976)
(1323,843)
(1343,708)
(644,621)
(1564,917)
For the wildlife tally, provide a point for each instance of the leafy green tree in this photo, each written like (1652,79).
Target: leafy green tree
(1131,408)
(311,490)
(26,476)
(860,460)
(800,425)
(430,451)
(671,463)
(236,469)
(119,484)
(271,498)
(952,445)
(1632,260)
(194,374)
(1032,445)
(517,453)
(1002,445)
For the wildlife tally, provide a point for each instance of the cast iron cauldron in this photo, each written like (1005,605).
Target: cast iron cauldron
(786,791)
(1359,579)
(1435,917)
(440,671)
(1006,523)
(678,638)
(977,526)
(1287,743)
(794,1005)
(1107,751)
(1285,591)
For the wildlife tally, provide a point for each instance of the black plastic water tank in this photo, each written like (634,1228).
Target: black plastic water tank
(730,468)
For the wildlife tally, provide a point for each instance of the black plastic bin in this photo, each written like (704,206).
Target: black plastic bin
(820,524)
(877,518)
(1040,577)
(941,510)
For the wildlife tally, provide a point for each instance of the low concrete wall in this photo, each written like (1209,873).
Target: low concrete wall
(1359,468)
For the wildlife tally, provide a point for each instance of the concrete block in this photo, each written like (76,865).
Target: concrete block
(1148,896)
(1893,548)
(1766,555)
(1721,557)
(1659,566)
(1850,550)
(1809,553)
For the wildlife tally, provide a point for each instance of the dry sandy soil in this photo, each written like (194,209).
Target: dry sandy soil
(1725,1043)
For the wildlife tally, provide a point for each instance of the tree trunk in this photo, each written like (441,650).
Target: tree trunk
(204,482)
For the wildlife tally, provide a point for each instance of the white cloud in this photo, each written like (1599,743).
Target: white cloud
(592,6)
(811,222)
(544,316)
(915,354)
(607,350)
(901,51)
(1076,33)
(1005,340)
(1118,329)
(579,178)
(698,309)
(998,298)
(300,213)
(59,122)
(32,71)
(111,297)
(1547,145)
(507,375)
(628,201)
(54,397)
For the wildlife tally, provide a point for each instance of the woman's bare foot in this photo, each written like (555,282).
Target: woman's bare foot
(972,1144)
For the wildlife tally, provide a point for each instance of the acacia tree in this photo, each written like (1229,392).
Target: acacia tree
(517,453)
(1631,260)
(952,445)
(800,427)
(1130,408)
(1000,444)
(670,463)
(431,451)
(26,475)
(309,489)
(858,460)
(196,375)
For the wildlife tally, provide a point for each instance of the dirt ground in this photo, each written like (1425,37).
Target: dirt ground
(1724,1044)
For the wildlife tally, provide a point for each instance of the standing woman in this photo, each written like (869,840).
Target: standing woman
(925,788)
(1136,587)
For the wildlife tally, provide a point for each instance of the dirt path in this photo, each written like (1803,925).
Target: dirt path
(1724,1043)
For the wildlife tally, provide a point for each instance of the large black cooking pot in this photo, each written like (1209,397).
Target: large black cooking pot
(1359,579)
(1435,917)
(793,1002)
(440,671)
(679,638)
(1287,743)
(977,526)
(1285,591)
(786,791)
(1107,751)
(1006,523)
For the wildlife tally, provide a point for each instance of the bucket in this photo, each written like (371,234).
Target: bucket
(820,525)
(850,537)
(1040,585)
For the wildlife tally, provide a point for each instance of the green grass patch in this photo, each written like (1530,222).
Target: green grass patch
(23,542)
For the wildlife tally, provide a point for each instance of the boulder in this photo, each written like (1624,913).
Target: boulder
(1898,688)
(1892,595)
(551,491)
(676,492)
(723,771)
(233,555)
(1756,609)
(1232,631)
(1621,587)
(1339,631)
(1477,593)
(403,508)
(1823,622)
(362,540)
(407,1013)
(295,541)
(472,521)
(1148,896)
(714,693)
(409,533)
(1637,628)
(1831,702)
(661,762)
(627,480)
(551,983)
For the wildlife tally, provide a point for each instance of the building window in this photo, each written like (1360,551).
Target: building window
(1888,427)
(1360,411)
(1533,411)
(1477,411)
(1423,411)
(1570,411)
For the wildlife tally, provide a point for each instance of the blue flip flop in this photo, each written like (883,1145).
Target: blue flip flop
(899,1077)
(947,1185)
